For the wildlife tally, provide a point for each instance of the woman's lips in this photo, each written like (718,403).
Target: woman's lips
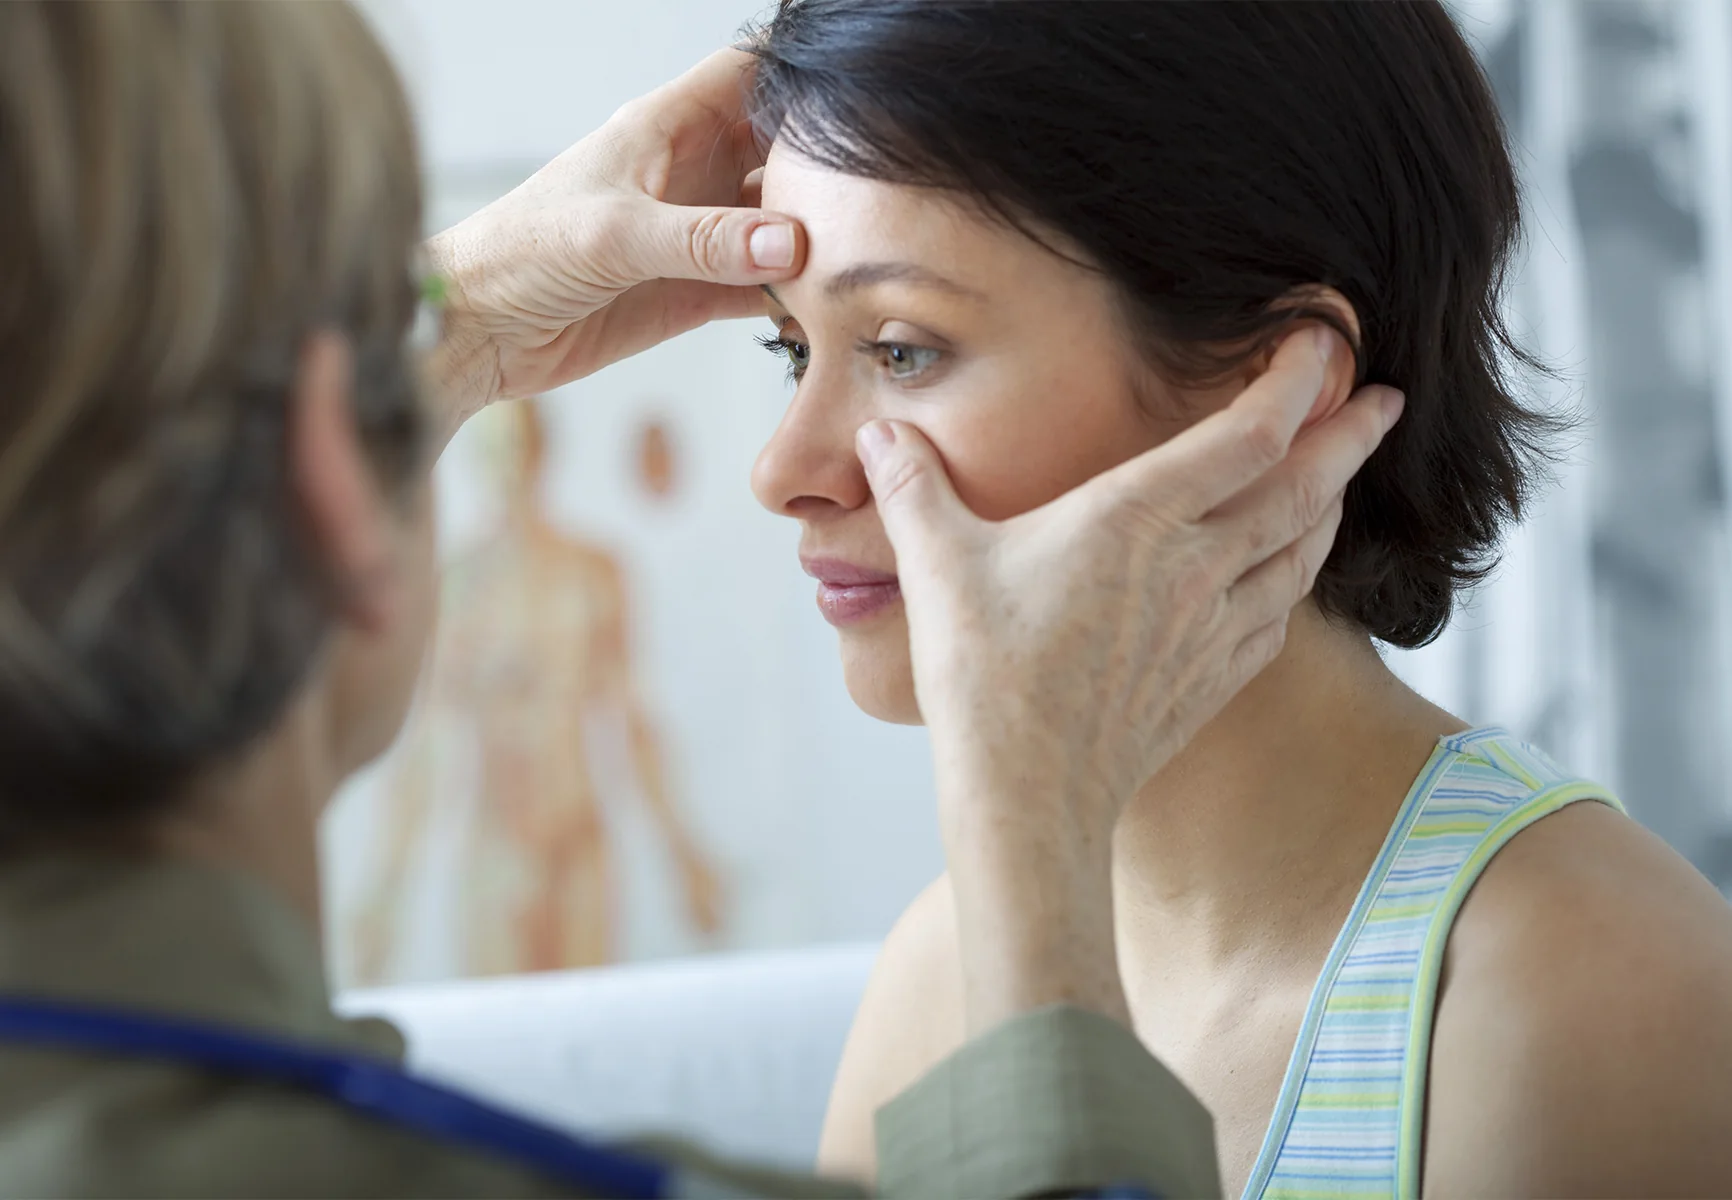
(847,593)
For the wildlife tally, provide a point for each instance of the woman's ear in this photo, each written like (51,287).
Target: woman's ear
(752,188)
(1342,372)
(347,517)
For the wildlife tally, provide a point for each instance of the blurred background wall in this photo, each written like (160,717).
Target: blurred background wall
(634,740)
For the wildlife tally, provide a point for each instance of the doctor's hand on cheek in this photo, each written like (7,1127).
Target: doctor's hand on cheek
(641,231)
(1063,657)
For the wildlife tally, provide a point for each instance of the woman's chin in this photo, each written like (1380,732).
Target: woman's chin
(880,682)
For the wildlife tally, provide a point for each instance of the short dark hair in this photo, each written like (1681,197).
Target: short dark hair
(1214,160)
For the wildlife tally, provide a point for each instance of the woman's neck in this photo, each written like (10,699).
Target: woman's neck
(1251,845)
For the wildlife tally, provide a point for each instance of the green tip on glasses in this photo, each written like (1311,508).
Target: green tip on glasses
(428,326)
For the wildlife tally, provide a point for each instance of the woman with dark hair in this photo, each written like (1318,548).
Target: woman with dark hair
(1051,235)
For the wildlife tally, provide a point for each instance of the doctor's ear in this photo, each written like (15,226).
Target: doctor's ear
(348,520)
(1319,305)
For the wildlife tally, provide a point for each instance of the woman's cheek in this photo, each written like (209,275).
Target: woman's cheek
(1003,468)
(1018,430)
(988,465)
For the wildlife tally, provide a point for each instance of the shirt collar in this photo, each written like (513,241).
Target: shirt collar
(171,936)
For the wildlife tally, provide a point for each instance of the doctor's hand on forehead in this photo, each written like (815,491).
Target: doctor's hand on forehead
(643,230)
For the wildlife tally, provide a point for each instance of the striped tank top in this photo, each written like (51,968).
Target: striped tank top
(1348,1118)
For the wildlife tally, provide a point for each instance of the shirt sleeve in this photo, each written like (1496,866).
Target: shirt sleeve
(1057,1102)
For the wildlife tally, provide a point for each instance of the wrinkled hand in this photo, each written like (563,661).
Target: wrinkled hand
(1082,644)
(637,233)
(1062,658)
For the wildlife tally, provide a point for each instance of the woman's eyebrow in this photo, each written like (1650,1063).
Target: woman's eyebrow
(864,275)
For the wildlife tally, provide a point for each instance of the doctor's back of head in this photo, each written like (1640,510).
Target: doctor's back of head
(188,195)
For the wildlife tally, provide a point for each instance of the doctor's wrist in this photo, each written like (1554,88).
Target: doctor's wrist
(1032,881)
(464,364)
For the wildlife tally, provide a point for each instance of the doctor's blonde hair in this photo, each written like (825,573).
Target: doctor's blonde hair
(186,192)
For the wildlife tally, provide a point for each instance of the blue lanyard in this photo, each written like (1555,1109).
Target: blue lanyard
(366,1085)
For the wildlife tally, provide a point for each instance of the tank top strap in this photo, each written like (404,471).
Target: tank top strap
(1349,1115)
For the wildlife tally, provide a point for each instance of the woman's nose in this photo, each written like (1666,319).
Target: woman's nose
(809,465)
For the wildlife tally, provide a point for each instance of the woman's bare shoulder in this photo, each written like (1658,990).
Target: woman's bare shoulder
(910,1018)
(1583,1036)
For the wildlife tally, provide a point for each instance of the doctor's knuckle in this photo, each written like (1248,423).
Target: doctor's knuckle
(1311,495)
(708,242)
(1264,440)
(897,480)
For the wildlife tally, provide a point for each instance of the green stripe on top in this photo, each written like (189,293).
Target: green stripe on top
(1348,1119)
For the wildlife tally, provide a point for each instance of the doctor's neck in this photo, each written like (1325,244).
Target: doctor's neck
(259,812)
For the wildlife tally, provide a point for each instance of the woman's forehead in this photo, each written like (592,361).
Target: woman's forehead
(865,231)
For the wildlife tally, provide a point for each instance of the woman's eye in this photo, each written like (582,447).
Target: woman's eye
(903,361)
(798,354)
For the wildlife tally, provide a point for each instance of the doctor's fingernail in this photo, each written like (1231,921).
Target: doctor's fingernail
(1393,403)
(874,438)
(772,246)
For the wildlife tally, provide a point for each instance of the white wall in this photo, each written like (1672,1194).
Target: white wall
(519,80)
(821,817)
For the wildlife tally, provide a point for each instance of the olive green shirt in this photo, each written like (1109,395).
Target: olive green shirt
(1053,1102)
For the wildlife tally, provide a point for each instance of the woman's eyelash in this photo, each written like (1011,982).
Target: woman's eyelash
(904,354)
(782,347)
(794,352)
